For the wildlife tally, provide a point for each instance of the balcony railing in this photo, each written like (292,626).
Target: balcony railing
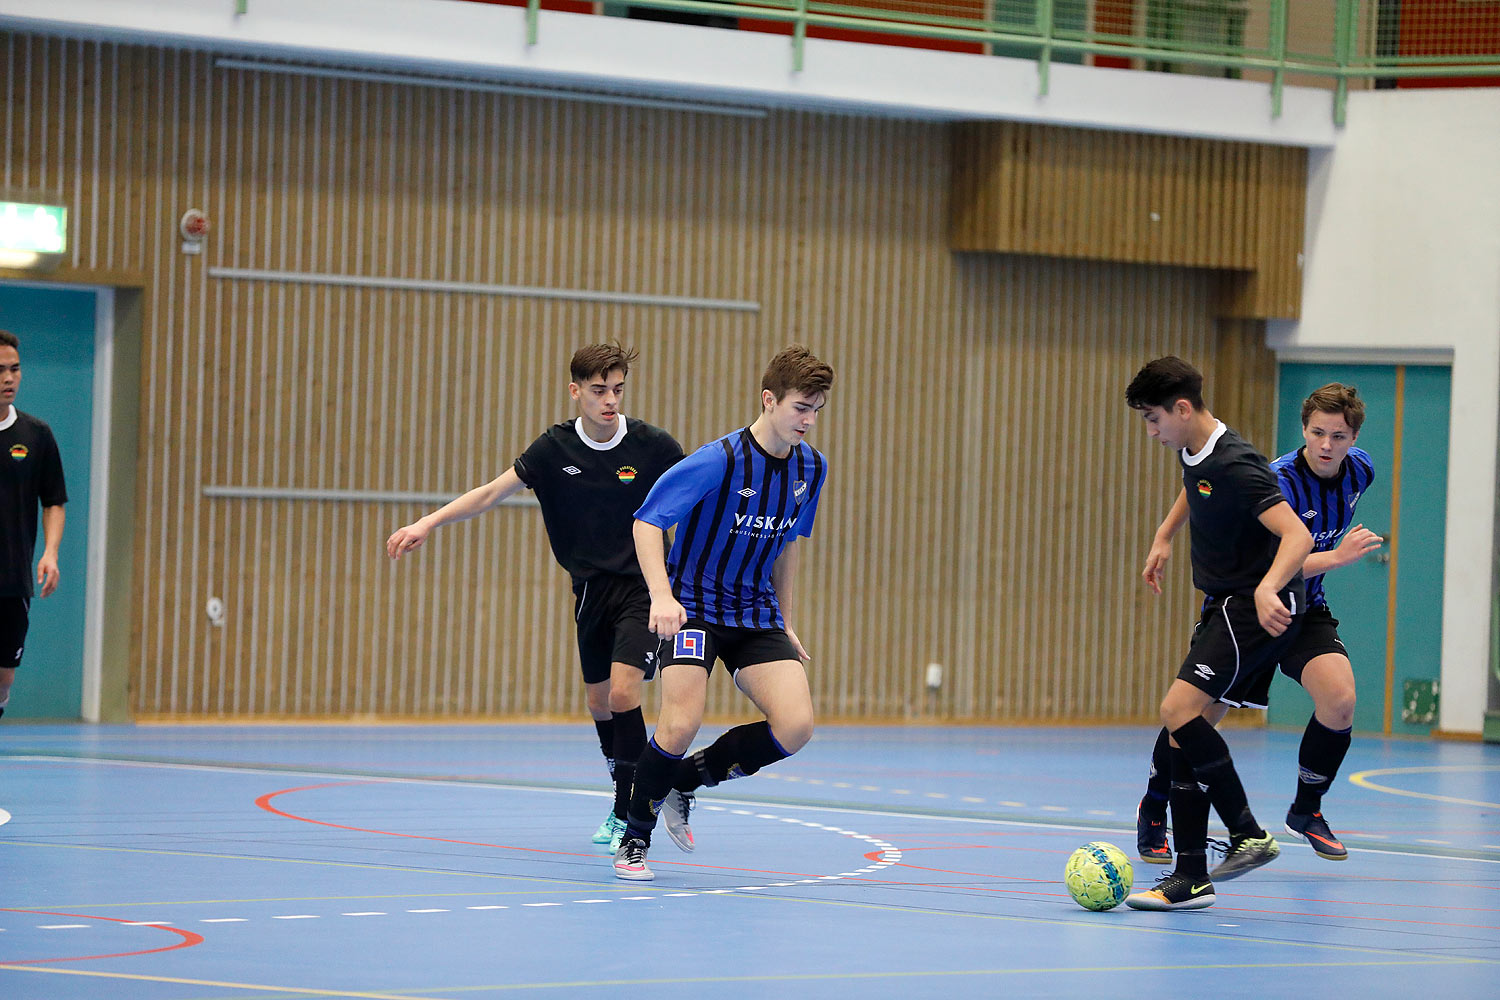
(1335,43)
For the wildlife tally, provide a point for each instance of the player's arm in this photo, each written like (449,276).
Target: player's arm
(1281,521)
(667,613)
(677,491)
(52,532)
(1161,545)
(471,504)
(1357,543)
(783,574)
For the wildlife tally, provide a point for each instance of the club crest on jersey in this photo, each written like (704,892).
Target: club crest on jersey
(688,644)
(799,488)
(625,474)
(18,452)
(1205,488)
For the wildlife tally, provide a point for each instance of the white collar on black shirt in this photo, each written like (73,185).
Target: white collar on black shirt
(10,418)
(1208,449)
(583,435)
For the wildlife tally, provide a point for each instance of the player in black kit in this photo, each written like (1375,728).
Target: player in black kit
(1248,547)
(590,474)
(31,475)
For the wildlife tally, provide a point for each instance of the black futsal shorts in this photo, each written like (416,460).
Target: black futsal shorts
(1232,658)
(15,619)
(702,643)
(612,613)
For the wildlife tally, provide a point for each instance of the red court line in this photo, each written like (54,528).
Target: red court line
(189,939)
(264,802)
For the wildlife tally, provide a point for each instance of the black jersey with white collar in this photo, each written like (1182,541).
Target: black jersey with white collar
(589,491)
(1229,485)
(31,475)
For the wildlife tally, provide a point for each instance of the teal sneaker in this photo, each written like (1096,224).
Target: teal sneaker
(609,831)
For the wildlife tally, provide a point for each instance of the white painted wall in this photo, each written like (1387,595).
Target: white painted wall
(1403,252)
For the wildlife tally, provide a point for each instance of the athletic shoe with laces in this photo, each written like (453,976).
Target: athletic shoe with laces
(675,809)
(1174,892)
(1312,828)
(608,828)
(1244,854)
(630,861)
(612,829)
(1151,835)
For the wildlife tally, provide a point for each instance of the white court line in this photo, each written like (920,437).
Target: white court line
(913,814)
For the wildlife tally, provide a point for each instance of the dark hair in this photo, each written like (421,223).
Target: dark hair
(1163,382)
(797,369)
(600,359)
(1335,397)
(8,339)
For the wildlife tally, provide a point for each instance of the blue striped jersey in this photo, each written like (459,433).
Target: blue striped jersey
(736,508)
(1326,506)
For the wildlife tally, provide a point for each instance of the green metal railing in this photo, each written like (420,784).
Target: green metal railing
(1333,41)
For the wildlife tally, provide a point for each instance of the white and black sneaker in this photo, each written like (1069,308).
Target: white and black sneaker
(630,861)
(675,809)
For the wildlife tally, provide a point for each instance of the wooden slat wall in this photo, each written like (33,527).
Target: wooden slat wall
(1146,199)
(991,496)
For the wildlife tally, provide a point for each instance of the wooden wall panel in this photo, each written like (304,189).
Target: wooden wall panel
(991,496)
(1149,199)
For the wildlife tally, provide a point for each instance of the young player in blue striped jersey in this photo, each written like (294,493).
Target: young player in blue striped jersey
(1323,481)
(739,505)
(589,475)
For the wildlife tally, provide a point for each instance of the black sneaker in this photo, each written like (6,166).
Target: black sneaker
(1174,892)
(1245,854)
(1312,828)
(1151,835)
(675,810)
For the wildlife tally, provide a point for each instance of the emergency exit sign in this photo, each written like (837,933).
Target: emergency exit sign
(33,228)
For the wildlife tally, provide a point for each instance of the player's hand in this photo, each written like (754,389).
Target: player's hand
(405,539)
(802,653)
(1357,543)
(1274,616)
(47,575)
(1156,560)
(667,617)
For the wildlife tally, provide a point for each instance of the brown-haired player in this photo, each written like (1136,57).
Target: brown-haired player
(589,475)
(1322,481)
(1247,550)
(32,478)
(739,503)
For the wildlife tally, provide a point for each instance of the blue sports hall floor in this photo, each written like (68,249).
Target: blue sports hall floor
(209,863)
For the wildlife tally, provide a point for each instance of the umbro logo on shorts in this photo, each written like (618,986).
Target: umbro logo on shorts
(572,470)
(1205,671)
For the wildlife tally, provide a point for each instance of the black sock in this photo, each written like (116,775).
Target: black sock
(1189,817)
(1318,761)
(606,730)
(1208,754)
(739,753)
(630,740)
(653,780)
(1159,781)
